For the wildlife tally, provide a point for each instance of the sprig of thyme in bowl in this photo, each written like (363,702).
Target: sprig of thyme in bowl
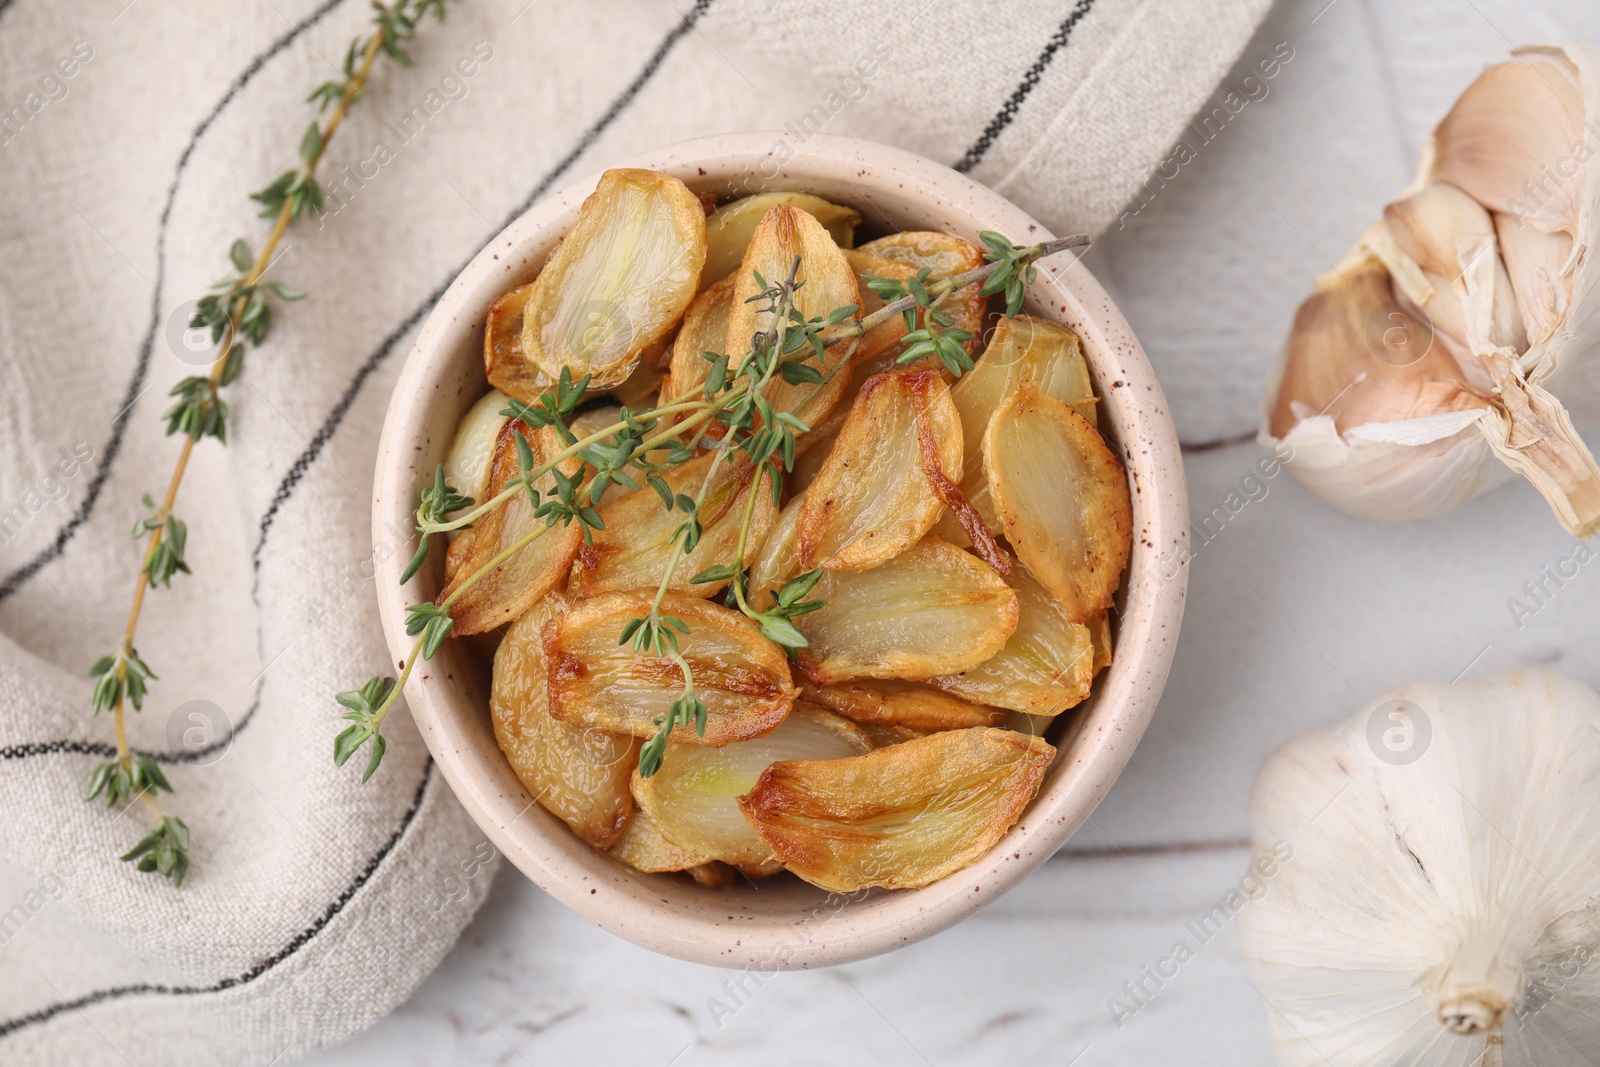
(739,421)
(238,312)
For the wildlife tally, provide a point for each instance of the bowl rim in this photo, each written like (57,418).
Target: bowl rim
(713,927)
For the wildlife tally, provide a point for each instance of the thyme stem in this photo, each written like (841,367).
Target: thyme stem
(703,409)
(123,676)
(947,285)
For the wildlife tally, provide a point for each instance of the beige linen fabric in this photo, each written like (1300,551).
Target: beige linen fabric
(129,136)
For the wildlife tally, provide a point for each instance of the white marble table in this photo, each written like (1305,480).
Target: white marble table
(1296,614)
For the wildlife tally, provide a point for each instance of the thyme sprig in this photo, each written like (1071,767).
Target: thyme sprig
(792,347)
(236,313)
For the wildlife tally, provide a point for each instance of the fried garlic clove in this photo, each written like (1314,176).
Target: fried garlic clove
(812,450)
(900,817)
(874,350)
(516,583)
(694,798)
(731,227)
(1062,499)
(617,282)
(778,561)
(643,847)
(931,610)
(943,256)
(502,333)
(578,773)
(875,494)
(882,735)
(633,550)
(466,465)
(784,234)
(639,390)
(704,329)
(1048,663)
(459,552)
(1100,638)
(901,256)
(742,678)
(1020,349)
(893,702)
(1023,349)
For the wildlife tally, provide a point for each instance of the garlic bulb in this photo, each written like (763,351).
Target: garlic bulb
(1440,906)
(1446,350)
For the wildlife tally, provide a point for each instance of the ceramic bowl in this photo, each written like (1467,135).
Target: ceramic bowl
(782,923)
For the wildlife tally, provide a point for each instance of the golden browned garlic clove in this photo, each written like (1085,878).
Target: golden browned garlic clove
(741,677)
(883,485)
(633,550)
(694,798)
(886,335)
(893,702)
(617,282)
(944,256)
(458,553)
(643,847)
(931,610)
(900,817)
(517,582)
(1048,663)
(704,329)
(784,234)
(899,257)
(812,450)
(466,465)
(731,227)
(778,561)
(1100,636)
(640,389)
(579,774)
(1062,499)
(502,332)
(1021,349)
(882,735)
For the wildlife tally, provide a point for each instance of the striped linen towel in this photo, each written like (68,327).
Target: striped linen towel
(129,133)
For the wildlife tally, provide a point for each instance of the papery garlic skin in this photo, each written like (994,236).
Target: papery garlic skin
(1444,890)
(1394,470)
(1493,246)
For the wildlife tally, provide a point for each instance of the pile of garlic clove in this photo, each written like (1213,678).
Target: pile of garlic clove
(1442,904)
(1449,346)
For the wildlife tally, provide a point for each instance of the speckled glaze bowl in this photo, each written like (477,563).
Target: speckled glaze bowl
(782,923)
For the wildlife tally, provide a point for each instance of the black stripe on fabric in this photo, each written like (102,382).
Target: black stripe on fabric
(5,5)
(141,369)
(336,416)
(1030,80)
(22,1022)
(47,748)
